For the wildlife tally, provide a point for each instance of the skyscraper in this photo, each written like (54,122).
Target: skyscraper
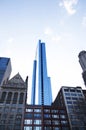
(44,85)
(33,96)
(5,69)
(41,79)
(82,61)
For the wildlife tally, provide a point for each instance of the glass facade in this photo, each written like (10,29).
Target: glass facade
(40,79)
(5,69)
(44,85)
(33,96)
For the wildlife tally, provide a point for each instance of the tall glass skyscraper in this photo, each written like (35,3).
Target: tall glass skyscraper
(5,69)
(42,81)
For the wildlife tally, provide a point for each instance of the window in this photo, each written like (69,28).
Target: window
(74,98)
(37,110)
(80,95)
(38,122)
(75,102)
(11,117)
(72,90)
(55,122)
(37,128)
(19,116)
(21,98)
(47,115)
(13,110)
(29,110)
(3,97)
(47,110)
(0,109)
(67,94)
(61,111)
(17,127)
(63,116)
(15,98)
(73,94)
(10,127)
(69,102)
(79,91)
(28,115)
(64,122)
(56,128)
(9,96)
(19,110)
(65,128)
(66,90)
(55,116)
(28,128)
(10,122)
(70,107)
(68,98)
(6,109)
(18,121)
(54,111)
(28,121)
(4,116)
(37,115)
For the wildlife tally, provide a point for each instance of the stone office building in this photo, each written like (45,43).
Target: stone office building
(13,96)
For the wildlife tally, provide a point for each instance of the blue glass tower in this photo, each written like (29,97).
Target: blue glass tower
(44,85)
(33,83)
(43,81)
(5,69)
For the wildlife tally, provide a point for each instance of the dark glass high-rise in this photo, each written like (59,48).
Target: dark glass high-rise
(5,69)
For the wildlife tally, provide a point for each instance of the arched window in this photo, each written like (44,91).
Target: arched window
(15,98)
(9,96)
(2,97)
(21,98)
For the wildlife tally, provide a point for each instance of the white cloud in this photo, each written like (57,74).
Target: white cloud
(69,6)
(48,31)
(84,21)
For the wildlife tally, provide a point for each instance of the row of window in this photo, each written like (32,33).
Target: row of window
(75,98)
(49,122)
(72,90)
(73,94)
(45,128)
(11,116)
(10,127)
(38,116)
(45,110)
(9,97)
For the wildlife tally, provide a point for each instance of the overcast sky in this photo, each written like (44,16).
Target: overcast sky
(61,24)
